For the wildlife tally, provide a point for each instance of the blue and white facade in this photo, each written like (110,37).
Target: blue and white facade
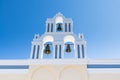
(66,58)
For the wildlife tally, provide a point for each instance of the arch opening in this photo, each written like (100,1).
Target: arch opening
(48,39)
(48,50)
(69,38)
(69,42)
(69,51)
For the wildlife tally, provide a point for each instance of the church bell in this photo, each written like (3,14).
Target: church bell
(59,28)
(68,49)
(47,49)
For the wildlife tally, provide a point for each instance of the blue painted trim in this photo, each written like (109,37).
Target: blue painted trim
(65,27)
(69,27)
(33,55)
(52,27)
(78,51)
(38,52)
(48,27)
(60,51)
(103,66)
(83,51)
(14,67)
(55,51)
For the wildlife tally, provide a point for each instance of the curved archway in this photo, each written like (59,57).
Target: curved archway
(70,73)
(48,39)
(69,38)
(43,73)
(50,55)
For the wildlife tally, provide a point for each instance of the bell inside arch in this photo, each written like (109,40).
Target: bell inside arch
(59,28)
(68,49)
(47,49)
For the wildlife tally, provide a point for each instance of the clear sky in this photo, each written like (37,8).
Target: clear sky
(99,20)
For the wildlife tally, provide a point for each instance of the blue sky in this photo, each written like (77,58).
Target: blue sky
(99,20)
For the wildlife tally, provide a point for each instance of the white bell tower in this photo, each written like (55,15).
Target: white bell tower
(58,54)
(59,41)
